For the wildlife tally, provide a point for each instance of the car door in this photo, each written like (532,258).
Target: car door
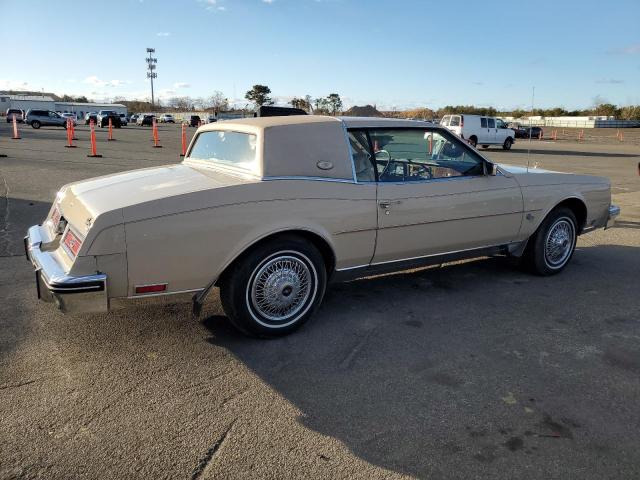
(492,130)
(483,134)
(434,196)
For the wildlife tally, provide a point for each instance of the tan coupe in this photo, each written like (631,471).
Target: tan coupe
(269,209)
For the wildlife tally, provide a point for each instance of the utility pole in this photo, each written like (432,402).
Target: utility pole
(151,66)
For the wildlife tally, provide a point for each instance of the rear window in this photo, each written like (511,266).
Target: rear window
(228,148)
(455,121)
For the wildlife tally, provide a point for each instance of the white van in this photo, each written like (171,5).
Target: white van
(480,130)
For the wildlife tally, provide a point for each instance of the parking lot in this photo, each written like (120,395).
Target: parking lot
(470,370)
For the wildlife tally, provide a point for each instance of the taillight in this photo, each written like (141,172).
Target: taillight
(461,121)
(72,242)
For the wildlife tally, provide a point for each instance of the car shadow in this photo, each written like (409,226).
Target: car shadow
(626,224)
(16,216)
(447,369)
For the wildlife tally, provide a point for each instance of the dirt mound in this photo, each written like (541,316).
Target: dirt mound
(366,111)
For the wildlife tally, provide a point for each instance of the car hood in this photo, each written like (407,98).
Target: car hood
(92,198)
(539,176)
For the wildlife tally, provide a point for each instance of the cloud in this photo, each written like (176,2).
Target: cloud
(15,85)
(95,81)
(629,50)
(163,34)
(181,85)
(610,81)
(213,5)
(269,2)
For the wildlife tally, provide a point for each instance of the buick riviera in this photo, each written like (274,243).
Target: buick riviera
(270,209)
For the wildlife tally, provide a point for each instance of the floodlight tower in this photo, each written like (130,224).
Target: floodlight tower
(151,66)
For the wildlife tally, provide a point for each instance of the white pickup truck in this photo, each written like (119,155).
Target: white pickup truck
(480,130)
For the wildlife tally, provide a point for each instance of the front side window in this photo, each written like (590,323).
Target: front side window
(408,155)
(227,148)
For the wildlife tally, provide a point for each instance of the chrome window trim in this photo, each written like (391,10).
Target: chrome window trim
(314,179)
(349,149)
(420,257)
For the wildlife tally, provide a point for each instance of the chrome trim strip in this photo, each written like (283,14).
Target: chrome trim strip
(346,138)
(315,179)
(422,256)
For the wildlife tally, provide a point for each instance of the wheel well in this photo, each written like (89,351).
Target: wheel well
(578,208)
(320,243)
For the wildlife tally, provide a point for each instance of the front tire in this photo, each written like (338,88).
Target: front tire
(276,287)
(507,144)
(552,245)
(35,124)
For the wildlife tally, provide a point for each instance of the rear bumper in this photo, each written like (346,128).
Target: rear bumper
(614,211)
(72,294)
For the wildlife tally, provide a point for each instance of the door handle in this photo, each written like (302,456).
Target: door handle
(386,204)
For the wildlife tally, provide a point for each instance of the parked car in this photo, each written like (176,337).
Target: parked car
(517,129)
(43,118)
(145,119)
(91,116)
(532,132)
(194,120)
(480,130)
(124,121)
(167,118)
(270,209)
(133,118)
(70,116)
(104,116)
(14,112)
(211,119)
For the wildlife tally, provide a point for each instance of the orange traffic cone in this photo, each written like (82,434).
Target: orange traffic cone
(184,140)
(110,137)
(69,134)
(15,129)
(94,147)
(156,140)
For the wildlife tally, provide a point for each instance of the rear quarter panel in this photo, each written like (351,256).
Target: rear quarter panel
(188,250)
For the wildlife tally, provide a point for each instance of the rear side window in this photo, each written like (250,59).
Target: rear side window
(492,122)
(455,121)
(445,121)
(228,148)
(483,123)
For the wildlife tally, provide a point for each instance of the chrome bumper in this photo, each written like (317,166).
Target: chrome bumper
(72,294)
(614,211)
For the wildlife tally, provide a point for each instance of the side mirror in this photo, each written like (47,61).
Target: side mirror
(492,169)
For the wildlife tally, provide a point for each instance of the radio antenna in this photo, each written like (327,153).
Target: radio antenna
(533,96)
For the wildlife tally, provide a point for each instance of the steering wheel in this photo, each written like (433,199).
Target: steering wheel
(388,160)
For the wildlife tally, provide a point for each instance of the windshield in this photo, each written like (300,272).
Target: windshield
(228,148)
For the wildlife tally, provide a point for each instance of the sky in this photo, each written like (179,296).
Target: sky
(396,54)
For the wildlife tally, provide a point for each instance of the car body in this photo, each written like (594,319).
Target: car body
(480,130)
(269,209)
(124,121)
(167,118)
(194,120)
(145,119)
(133,118)
(91,116)
(102,119)
(70,116)
(42,118)
(211,119)
(532,132)
(15,112)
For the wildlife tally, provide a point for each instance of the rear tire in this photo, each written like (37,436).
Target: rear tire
(552,245)
(473,141)
(485,146)
(274,288)
(507,144)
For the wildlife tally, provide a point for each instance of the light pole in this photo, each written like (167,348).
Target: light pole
(151,66)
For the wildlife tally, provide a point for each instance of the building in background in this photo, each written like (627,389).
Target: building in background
(27,102)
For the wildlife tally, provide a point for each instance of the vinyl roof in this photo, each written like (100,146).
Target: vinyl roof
(349,122)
